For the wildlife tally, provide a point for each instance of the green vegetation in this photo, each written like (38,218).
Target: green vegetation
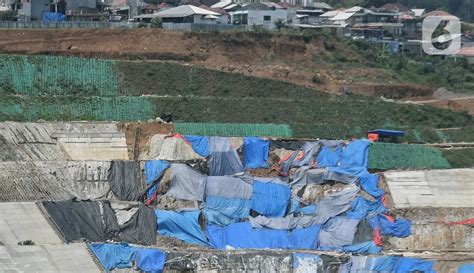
(460,158)
(388,156)
(234,129)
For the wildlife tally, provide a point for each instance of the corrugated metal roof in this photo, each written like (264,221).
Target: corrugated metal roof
(342,16)
(184,11)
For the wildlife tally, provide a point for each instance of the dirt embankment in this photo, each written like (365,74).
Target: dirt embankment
(302,60)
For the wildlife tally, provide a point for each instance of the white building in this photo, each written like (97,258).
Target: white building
(190,14)
(258,15)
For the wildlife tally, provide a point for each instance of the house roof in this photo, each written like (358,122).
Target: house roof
(354,9)
(255,6)
(418,12)
(222,4)
(342,16)
(217,10)
(393,7)
(184,11)
(330,13)
(231,6)
(272,5)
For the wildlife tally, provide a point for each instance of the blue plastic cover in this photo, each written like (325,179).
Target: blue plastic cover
(53,17)
(307,210)
(304,262)
(270,199)
(382,263)
(362,208)
(256,152)
(182,225)
(370,184)
(405,265)
(363,248)
(243,235)
(200,144)
(150,260)
(466,268)
(355,171)
(356,154)
(113,256)
(329,157)
(154,168)
(400,228)
(383,132)
(223,211)
(224,159)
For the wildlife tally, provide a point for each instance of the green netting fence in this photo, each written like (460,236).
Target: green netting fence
(67,108)
(234,129)
(390,156)
(52,75)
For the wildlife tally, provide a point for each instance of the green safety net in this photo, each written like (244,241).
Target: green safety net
(234,129)
(52,75)
(390,156)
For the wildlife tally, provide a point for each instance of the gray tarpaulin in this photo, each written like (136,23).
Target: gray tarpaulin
(289,222)
(228,187)
(79,220)
(141,227)
(125,180)
(224,159)
(186,183)
(331,143)
(340,177)
(338,232)
(308,151)
(364,232)
(305,175)
(335,204)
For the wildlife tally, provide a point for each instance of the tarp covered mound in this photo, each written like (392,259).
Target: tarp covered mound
(181,225)
(125,180)
(224,159)
(270,199)
(98,221)
(122,256)
(200,144)
(186,183)
(243,235)
(154,169)
(256,152)
(172,148)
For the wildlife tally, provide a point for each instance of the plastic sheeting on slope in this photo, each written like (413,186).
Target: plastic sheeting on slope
(121,256)
(186,183)
(153,170)
(229,187)
(466,268)
(287,223)
(356,154)
(330,155)
(242,235)
(335,204)
(338,232)
(181,225)
(140,229)
(306,263)
(405,264)
(256,152)
(370,184)
(112,256)
(400,228)
(200,144)
(363,248)
(222,211)
(170,148)
(362,208)
(270,199)
(224,159)
(287,145)
(125,180)
(303,157)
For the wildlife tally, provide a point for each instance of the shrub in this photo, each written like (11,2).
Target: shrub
(156,22)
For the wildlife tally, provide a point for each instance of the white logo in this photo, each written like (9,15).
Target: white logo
(446,43)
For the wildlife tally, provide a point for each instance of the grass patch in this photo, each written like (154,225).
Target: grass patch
(460,158)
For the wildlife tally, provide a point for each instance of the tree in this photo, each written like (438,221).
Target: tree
(279,24)
(156,22)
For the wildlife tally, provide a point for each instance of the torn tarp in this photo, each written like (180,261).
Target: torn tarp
(400,228)
(363,248)
(330,155)
(181,225)
(286,144)
(364,232)
(256,152)
(229,187)
(270,199)
(186,183)
(242,235)
(141,227)
(150,260)
(125,180)
(370,184)
(405,264)
(335,204)
(306,263)
(222,211)
(114,256)
(362,208)
(356,154)
(303,157)
(334,174)
(307,175)
(224,159)
(337,232)
(84,220)
(153,170)
(200,144)
(287,223)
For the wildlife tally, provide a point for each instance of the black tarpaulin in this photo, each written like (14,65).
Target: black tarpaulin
(292,145)
(125,180)
(83,220)
(141,228)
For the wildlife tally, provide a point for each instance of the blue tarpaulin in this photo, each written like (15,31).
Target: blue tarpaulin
(256,152)
(370,184)
(466,268)
(243,235)
(153,170)
(400,228)
(223,211)
(307,210)
(383,132)
(182,225)
(363,248)
(355,171)
(382,263)
(200,144)
(329,157)
(355,154)
(270,199)
(113,256)
(150,260)
(362,208)
(224,159)
(405,265)
(53,17)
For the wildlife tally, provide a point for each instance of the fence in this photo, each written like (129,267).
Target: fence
(202,27)
(68,24)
